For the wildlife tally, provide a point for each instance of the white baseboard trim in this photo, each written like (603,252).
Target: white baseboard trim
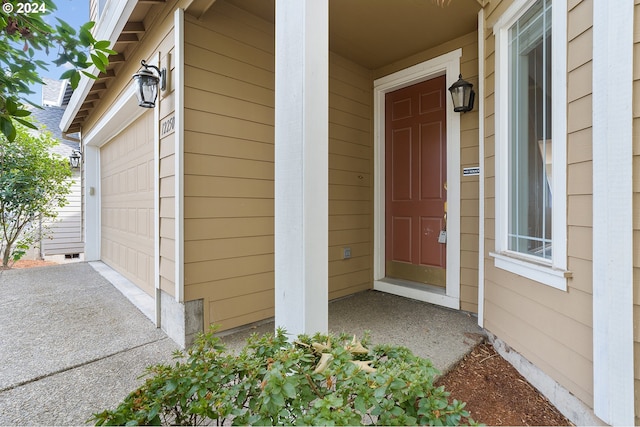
(569,405)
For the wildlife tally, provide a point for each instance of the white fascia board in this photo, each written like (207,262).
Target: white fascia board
(113,19)
(121,114)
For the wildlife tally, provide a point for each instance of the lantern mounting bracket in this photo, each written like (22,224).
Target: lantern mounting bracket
(162,73)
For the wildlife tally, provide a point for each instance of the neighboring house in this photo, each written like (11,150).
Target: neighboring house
(62,239)
(301,154)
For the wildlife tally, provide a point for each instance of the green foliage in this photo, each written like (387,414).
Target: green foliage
(320,380)
(23,31)
(33,186)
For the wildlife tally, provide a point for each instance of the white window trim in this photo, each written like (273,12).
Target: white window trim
(554,272)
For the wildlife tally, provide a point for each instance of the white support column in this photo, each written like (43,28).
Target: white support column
(91,202)
(613,358)
(301,165)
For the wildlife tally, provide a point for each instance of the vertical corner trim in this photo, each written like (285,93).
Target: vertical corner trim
(613,355)
(179,153)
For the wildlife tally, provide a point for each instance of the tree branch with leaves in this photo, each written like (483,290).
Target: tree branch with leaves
(34,184)
(21,35)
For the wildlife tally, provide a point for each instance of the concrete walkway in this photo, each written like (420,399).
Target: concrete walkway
(71,344)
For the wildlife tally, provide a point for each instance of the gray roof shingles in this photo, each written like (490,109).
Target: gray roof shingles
(51,114)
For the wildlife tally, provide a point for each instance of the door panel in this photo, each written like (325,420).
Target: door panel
(431,167)
(401,164)
(415,151)
(402,244)
(430,249)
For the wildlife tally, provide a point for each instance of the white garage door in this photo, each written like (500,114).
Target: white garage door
(126,187)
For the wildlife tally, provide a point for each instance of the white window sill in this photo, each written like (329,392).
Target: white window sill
(539,272)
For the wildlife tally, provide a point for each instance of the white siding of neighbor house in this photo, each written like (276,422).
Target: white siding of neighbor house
(63,236)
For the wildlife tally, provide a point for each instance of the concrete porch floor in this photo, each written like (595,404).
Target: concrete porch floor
(440,334)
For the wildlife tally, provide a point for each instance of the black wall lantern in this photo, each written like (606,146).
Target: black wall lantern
(74,159)
(148,82)
(463,95)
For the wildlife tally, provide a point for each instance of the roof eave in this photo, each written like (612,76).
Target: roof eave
(113,19)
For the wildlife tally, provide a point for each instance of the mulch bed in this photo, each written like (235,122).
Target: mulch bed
(496,394)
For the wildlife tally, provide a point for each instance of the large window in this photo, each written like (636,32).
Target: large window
(531,140)
(530,160)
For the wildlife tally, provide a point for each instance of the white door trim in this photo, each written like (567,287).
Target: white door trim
(449,65)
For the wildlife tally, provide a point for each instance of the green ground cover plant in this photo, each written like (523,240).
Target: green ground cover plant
(319,380)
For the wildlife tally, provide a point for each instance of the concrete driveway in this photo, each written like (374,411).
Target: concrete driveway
(70,345)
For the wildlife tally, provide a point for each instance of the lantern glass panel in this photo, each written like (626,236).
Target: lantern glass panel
(147,90)
(459,97)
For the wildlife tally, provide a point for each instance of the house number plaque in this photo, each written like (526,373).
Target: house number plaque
(168,125)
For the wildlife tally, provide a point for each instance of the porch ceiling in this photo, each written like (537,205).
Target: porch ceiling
(375,33)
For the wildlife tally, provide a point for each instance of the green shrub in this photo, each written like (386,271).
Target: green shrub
(320,380)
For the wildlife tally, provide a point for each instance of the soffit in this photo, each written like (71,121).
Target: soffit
(141,18)
(374,33)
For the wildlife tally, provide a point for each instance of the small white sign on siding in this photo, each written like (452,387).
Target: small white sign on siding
(472,171)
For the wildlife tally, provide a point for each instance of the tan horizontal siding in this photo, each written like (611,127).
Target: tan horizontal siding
(469,186)
(213,270)
(551,328)
(167,185)
(350,177)
(229,146)
(197,121)
(229,170)
(229,167)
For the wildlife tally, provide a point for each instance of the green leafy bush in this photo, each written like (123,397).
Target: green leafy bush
(320,380)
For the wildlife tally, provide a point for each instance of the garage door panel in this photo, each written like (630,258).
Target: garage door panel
(126,167)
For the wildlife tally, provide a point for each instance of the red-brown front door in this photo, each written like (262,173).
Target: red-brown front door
(416,150)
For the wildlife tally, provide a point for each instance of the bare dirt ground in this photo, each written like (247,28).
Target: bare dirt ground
(28,263)
(496,394)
